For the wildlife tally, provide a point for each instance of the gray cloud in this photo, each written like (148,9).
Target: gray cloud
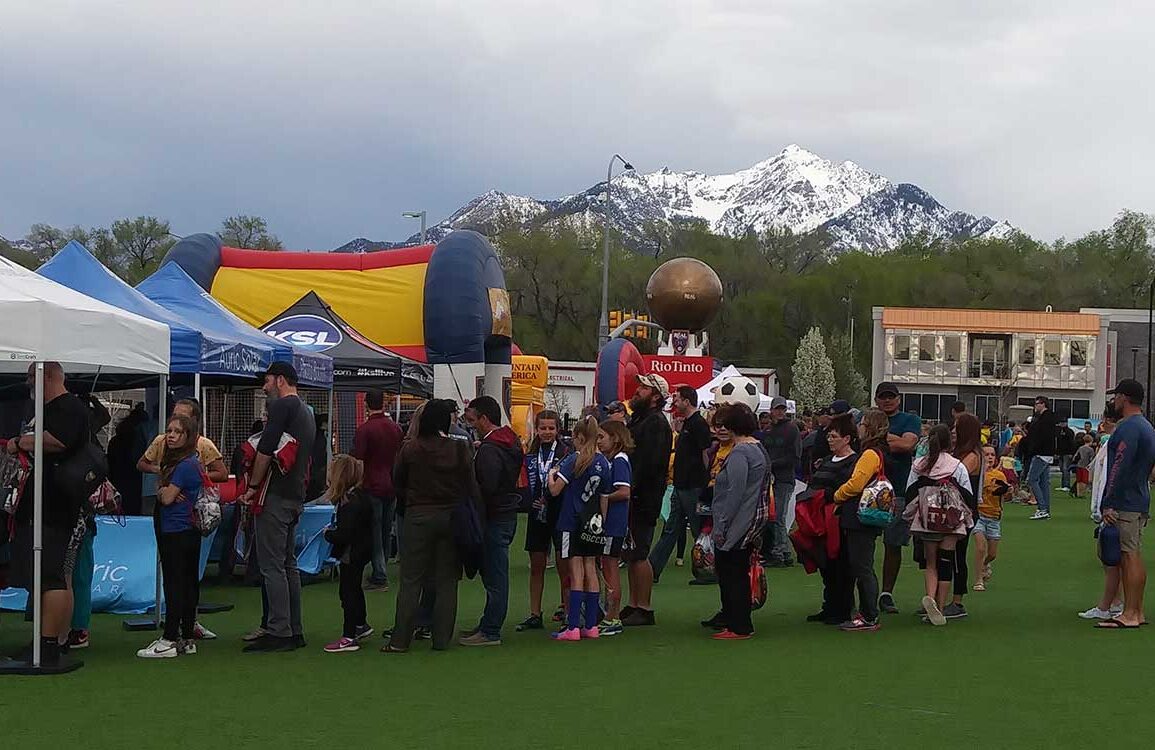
(331,118)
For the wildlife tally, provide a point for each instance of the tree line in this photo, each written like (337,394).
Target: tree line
(132,248)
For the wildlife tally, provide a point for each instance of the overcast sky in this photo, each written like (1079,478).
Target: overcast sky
(331,118)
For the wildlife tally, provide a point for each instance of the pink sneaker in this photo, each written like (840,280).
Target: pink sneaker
(342,645)
(590,633)
(572,634)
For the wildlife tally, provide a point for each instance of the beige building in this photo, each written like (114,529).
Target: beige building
(992,359)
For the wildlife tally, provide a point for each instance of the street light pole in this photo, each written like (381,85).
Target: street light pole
(417,215)
(604,322)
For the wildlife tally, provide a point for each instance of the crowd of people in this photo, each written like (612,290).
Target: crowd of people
(449,487)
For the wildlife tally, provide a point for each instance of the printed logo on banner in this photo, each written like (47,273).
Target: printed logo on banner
(691,371)
(310,332)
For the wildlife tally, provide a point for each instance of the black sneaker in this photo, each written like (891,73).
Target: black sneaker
(626,612)
(715,622)
(886,603)
(422,633)
(816,617)
(639,617)
(299,641)
(533,622)
(271,644)
(954,611)
(703,581)
(559,615)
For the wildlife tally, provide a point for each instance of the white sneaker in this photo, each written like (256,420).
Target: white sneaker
(1094,613)
(159,649)
(254,635)
(1040,515)
(934,615)
(201,633)
(1116,610)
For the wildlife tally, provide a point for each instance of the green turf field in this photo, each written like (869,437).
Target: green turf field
(1022,671)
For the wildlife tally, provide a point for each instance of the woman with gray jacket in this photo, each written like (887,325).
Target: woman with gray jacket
(739,512)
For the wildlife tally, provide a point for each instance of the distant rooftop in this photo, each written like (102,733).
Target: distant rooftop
(990,321)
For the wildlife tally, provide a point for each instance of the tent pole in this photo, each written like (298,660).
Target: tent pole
(397,403)
(332,435)
(37,513)
(161,409)
(200,397)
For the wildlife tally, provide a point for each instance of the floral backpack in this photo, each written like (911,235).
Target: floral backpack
(876,506)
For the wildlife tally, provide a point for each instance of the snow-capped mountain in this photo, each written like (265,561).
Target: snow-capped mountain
(795,189)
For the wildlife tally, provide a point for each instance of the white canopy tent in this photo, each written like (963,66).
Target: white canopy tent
(706,392)
(48,322)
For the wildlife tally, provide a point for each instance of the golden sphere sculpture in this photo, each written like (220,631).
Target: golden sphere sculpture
(684,294)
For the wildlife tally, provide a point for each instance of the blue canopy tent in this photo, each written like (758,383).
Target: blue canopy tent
(202,350)
(175,290)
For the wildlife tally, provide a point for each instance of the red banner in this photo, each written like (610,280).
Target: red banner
(692,371)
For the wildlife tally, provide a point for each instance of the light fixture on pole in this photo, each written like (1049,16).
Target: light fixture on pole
(417,215)
(604,321)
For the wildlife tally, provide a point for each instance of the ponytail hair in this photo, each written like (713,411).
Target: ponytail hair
(938,443)
(586,441)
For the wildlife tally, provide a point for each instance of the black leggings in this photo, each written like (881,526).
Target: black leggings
(180,554)
(352,598)
(733,570)
(960,566)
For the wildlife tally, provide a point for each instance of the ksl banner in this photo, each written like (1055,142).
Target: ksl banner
(691,371)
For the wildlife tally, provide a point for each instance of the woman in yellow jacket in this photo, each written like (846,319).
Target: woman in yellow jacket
(856,556)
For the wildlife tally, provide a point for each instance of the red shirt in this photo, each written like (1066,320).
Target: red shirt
(376,443)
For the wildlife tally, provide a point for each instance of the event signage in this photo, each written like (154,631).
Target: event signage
(310,332)
(691,371)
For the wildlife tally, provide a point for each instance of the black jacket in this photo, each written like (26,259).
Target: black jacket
(690,470)
(784,444)
(650,463)
(1064,441)
(1043,435)
(353,532)
(498,465)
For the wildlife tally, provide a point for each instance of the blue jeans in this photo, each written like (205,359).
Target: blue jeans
(495,575)
(1065,472)
(1039,480)
(382,529)
(683,510)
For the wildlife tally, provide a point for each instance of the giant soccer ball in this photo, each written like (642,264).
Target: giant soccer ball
(684,294)
(738,389)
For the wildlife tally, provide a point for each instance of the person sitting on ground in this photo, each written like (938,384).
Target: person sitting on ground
(988,524)
(351,535)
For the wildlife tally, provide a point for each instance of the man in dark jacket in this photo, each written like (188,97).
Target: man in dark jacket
(691,476)
(1064,454)
(784,444)
(1040,445)
(497,466)
(653,442)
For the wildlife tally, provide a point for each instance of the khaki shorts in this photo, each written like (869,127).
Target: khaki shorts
(1131,525)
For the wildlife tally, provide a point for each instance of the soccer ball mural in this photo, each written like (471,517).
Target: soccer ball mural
(737,389)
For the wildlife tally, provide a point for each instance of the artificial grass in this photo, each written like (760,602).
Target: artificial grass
(1021,671)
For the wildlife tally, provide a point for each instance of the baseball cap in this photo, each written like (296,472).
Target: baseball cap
(1110,544)
(778,402)
(841,406)
(615,407)
(657,382)
(1129,388)
(886,389)
(284,370)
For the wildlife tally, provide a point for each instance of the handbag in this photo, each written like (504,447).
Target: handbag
(80,473)
(876,505)
(759,591)
(207,510)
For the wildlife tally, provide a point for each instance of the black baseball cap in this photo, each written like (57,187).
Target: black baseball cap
(886,389)
(1129,388)
(841,406)
(284,370)
(615,407)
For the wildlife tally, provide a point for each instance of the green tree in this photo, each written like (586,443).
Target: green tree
(44,240)
(132,248)
(812,376)
(248,232)
(848,381)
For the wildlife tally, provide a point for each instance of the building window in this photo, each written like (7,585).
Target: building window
(1052,352)
(1080,408)
(902,347)
(987,407)
(926,348)
(1027,352)
(952,348)
(988,356)
(1078,353)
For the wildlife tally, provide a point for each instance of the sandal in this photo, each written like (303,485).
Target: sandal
(1114,624)
(980,586)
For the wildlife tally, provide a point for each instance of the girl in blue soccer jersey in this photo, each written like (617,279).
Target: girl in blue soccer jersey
(615,443)
(581,480)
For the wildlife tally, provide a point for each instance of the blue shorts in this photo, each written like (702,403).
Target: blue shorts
(991,528)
